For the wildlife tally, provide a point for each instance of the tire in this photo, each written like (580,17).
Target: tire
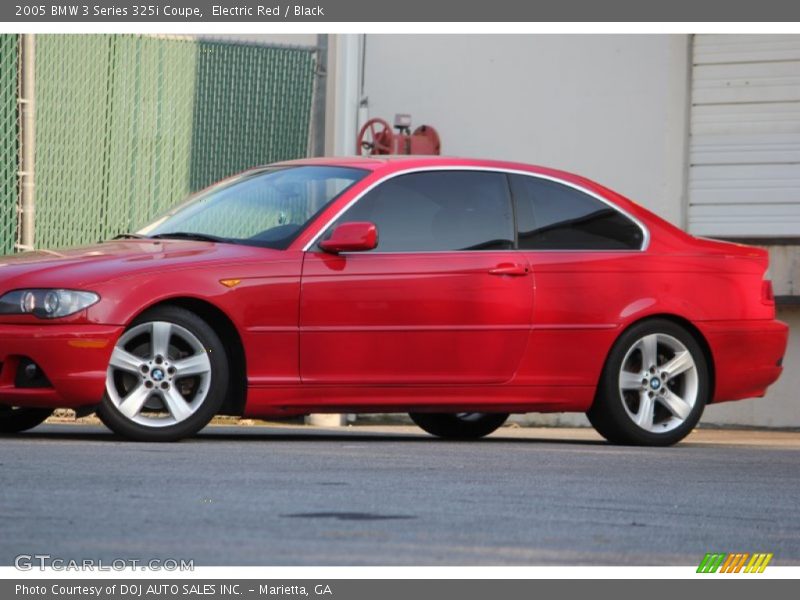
(167,377)
(654,386)
(14,419)
(459,426)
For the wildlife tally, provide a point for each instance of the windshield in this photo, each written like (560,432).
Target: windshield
(266,207)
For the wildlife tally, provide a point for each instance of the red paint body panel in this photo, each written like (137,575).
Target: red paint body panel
(747,355)
(497,330)
(297,400)
(412,319)
(74,357)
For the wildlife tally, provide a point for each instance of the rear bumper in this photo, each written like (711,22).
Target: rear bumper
(748,356)
(73,357)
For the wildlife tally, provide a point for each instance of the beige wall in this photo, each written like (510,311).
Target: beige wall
(612,108)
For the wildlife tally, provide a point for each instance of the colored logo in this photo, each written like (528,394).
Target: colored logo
(734,563)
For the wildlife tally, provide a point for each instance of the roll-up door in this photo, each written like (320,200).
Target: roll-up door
(744,171)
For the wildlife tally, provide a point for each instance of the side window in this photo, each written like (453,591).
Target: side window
(439,211)
(553,216)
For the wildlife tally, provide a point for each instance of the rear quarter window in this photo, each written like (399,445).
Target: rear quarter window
(554,216)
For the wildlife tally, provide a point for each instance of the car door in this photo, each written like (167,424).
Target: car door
(586,256)
(444,298)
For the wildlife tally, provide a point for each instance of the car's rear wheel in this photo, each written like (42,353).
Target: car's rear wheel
(654,386)
(167,377)
(459,426)
(14,419)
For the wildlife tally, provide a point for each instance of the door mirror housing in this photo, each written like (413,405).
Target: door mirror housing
(358,236)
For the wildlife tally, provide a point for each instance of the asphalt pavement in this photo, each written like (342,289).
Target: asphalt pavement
(379,495)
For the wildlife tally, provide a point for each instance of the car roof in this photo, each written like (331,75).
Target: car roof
(374,163)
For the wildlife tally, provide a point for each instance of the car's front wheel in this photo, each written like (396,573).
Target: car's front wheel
(167,377)
(14,419)
(459,426)
(654,386)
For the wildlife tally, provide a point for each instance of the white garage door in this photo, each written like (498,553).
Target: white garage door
(744,174)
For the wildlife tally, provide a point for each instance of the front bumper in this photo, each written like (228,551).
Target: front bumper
(748,356)
(73,357)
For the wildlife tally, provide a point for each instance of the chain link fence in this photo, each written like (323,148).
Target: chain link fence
(9,141)
(127,126)
(235,113)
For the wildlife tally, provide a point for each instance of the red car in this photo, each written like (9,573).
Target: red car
(456,290)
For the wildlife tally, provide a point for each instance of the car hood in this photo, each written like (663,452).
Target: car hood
(81,266)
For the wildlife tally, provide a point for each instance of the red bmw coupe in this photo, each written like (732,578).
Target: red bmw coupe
(456,290)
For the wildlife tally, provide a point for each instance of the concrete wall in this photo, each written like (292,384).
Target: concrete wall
(612,108)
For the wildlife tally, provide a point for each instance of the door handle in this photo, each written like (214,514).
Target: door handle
(510,269)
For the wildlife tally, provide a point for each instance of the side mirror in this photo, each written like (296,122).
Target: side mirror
(358,236)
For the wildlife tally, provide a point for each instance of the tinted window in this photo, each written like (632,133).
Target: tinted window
(553,216)
(439,211)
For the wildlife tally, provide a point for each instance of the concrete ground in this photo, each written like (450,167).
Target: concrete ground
(389,495)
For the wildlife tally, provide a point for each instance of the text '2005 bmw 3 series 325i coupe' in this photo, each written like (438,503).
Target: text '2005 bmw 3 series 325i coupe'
(459,291)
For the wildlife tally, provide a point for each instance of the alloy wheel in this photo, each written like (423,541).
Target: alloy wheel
(658,383)
(159,374)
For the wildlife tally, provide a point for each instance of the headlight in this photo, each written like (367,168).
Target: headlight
(46,304)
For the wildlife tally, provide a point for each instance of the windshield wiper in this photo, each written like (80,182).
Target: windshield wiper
(188,235)
(129,236)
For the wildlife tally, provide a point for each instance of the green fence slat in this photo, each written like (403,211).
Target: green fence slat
(127,126)
(243,107)
(9,141)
